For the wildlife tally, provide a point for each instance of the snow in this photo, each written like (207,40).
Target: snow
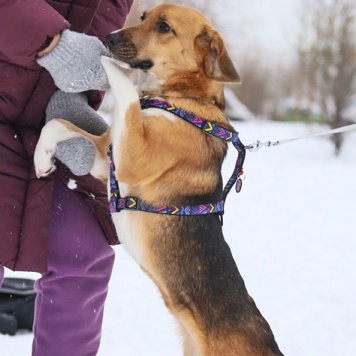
(292,232)
(72,184)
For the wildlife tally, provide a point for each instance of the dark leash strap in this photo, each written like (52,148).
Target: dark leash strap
(118,203)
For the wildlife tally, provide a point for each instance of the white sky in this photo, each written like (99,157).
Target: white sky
(271,25)
(245,24)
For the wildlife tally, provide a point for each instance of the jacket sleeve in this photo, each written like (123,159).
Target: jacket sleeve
(111,15)
(25,26)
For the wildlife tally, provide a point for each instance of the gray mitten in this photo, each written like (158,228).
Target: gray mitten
(77,154)
(74,63)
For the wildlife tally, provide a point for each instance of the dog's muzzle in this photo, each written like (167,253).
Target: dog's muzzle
(120,46)
(124,50)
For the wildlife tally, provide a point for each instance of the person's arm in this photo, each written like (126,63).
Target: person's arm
(74,59)
(74,62)
(25,28)
(78,154)
(111,16)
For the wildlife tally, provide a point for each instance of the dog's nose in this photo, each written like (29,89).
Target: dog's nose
(114,38)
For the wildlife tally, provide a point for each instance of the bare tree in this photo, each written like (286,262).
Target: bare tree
(265,84)
(327,59)
(254,91)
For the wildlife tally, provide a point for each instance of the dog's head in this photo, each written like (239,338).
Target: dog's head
(174,41)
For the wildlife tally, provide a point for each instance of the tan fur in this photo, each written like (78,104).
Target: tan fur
(168,161)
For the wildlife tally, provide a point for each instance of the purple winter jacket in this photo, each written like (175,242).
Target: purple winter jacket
(25,89)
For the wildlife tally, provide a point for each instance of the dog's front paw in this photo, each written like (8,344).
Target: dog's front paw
(44,162)
(121,86)
(43,158)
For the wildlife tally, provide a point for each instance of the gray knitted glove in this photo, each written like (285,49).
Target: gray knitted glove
(77,154)
(74,63)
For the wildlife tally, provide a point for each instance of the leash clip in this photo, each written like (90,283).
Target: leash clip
(254,147)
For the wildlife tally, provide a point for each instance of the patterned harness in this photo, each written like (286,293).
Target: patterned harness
(118,203)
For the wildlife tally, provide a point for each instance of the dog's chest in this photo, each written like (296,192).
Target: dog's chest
(129,229)
(129,233)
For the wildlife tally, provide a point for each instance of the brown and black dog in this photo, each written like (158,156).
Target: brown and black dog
(166,161)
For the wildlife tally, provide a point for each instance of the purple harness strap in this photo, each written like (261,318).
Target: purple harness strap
(118,203)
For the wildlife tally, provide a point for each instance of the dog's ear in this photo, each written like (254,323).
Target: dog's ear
(215,59)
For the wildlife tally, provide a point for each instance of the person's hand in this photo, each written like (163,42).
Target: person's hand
(77,154)
(73,60)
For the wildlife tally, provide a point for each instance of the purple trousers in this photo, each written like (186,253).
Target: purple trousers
(71,294)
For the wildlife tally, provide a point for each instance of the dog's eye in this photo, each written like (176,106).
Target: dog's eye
(163,27)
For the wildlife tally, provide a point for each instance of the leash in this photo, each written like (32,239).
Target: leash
(253,147)
(117,203)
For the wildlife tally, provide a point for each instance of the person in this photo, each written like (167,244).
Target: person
(59,225)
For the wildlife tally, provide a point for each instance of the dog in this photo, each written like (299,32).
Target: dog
(164,160)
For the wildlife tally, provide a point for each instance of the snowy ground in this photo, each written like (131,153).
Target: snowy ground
(292,231)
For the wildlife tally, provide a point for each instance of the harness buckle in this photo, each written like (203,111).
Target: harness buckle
(145,102)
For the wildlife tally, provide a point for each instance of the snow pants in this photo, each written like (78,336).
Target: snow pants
(71,294)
